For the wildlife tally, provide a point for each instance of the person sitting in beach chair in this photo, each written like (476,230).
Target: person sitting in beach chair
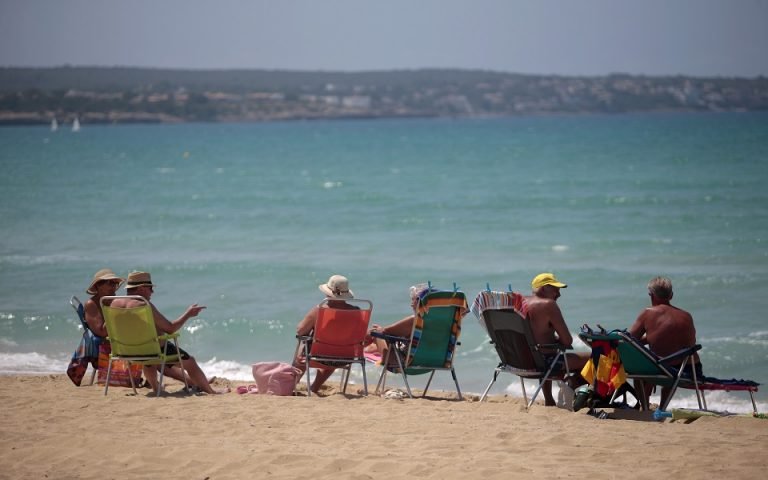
(378,347)
(548,327)
(336,291)
(105,284)
(666,329)
(140,283)
(423,342)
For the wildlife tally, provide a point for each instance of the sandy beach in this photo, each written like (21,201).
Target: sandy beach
(52,429)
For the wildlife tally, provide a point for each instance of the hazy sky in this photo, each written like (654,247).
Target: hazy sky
(569,37)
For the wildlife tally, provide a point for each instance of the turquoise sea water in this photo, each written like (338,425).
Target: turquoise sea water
(249,218)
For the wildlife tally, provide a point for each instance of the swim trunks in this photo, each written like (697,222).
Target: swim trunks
(170,349)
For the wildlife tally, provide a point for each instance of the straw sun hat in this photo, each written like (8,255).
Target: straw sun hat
(103,274)
(337,287)
(138,279)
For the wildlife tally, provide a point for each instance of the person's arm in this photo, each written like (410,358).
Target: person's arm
(637,329)
(558,324)
(166,326)
(401,328)
(307,324)
(95,319)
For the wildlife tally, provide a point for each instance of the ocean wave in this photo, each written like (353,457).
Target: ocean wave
(33,260)
(718,401)
(31,363)
(755,338)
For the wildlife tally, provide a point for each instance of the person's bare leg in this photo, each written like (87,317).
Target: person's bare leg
(546,389)
(198,378)
(175,373)
(150,373)
(320,377)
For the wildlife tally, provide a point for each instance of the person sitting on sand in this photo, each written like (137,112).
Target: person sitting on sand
(336,290)
(548,326)
(666,329)
(401,328)
(140,283)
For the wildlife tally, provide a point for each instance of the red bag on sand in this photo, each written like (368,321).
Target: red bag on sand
(119,377)
(275,378)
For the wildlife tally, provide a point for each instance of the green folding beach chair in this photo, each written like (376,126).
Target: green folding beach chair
(642,364)
(134,338)
(433,340)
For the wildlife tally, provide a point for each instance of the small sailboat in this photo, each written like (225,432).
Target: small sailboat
(76,125)
(54,125)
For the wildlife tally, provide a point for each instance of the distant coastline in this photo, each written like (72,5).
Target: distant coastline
(31,96)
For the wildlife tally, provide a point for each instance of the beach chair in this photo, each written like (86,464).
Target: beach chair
(87,351)
(640,363)
(338,340)
(432,343)
(519,354)
(134,338)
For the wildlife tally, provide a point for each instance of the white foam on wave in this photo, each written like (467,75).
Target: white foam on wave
(30,260)
(227,369)
(31,363)
(719,401)
(560,248)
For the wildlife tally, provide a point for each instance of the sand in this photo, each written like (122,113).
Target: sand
(52,429)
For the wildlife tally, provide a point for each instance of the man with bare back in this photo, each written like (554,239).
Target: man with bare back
(666,329)
(548,326)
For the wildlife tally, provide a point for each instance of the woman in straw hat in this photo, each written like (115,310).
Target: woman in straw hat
(104,284)
(336,290)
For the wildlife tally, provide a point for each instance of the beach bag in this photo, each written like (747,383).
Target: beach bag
(119,377)
(275,378)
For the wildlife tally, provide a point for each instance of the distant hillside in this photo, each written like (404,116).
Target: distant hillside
(36,95)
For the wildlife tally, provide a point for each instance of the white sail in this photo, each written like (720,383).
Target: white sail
(54,125)
(76,125)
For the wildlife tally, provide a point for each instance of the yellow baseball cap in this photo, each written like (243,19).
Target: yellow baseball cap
(543,279)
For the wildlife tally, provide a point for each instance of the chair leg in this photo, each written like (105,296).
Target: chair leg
(525,395)
(424,393)
(109,372)
(382,383)
(306,364)
(93,374)
(402,370)
(365,379)
(456,381)
(130,378)
(345,377)
(493,380)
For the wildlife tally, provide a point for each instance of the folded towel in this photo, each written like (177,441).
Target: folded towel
(486,300)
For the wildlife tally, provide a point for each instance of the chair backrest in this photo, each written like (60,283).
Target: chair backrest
(132,331)
(80,310)
(436,330)
(341,332)
(512,336)
(639,360)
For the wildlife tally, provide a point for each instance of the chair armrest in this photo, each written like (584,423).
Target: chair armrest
(553,346)
(681,353)
(303,338)
(389,338)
